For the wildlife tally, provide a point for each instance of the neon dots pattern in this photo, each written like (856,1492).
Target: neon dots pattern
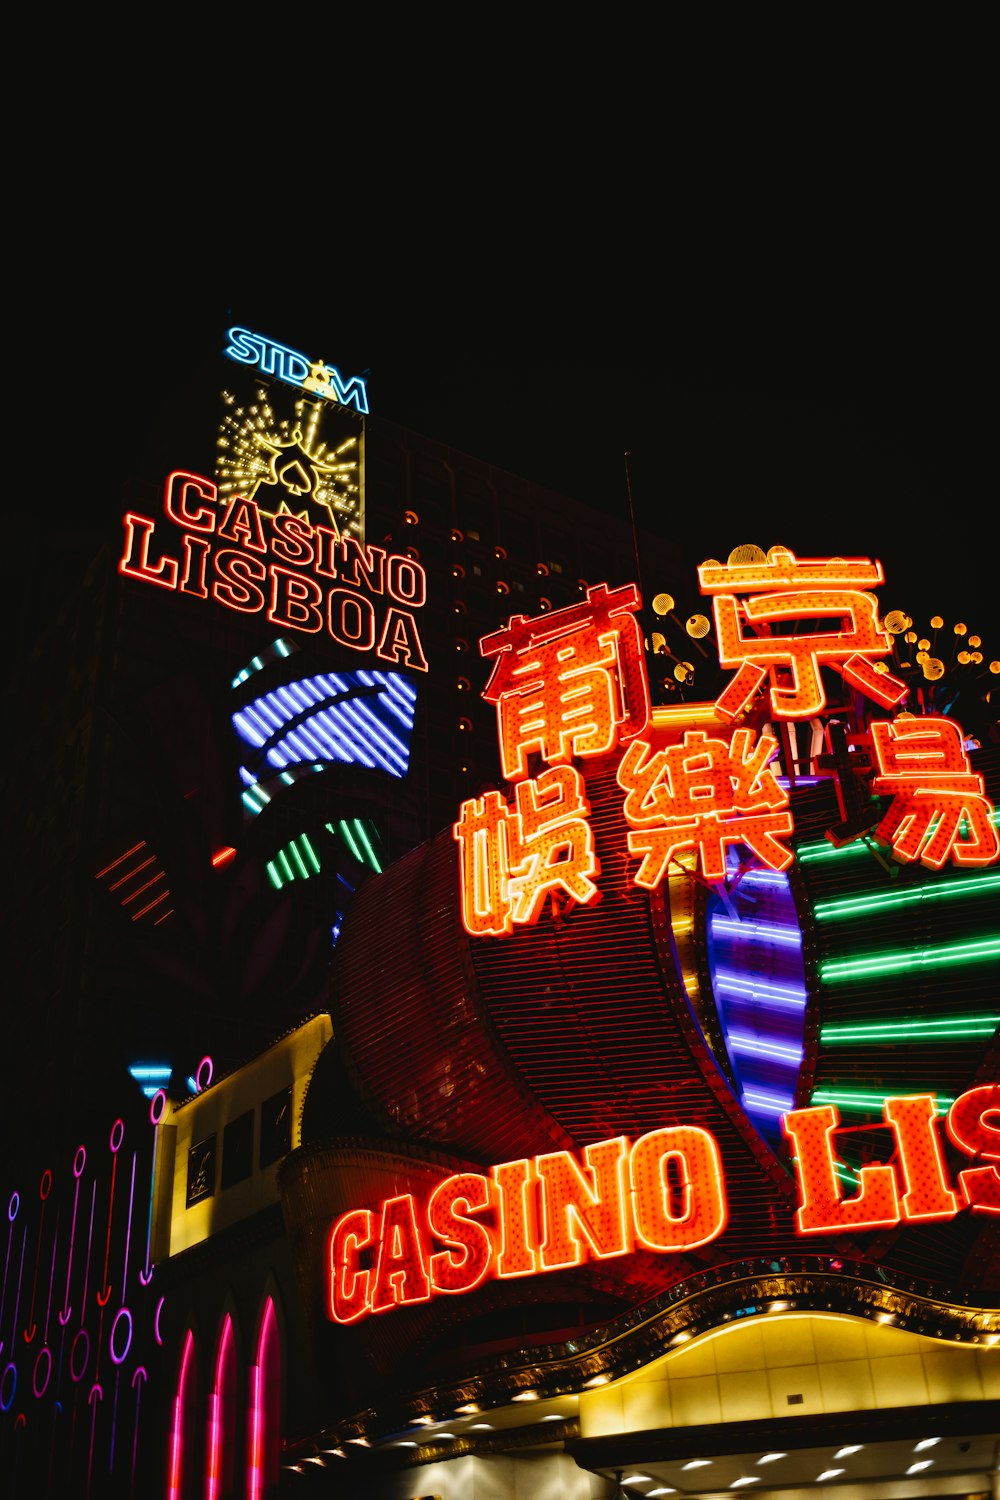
(784,588)
(568,683)
(939,807)
(513,859)
(707,795)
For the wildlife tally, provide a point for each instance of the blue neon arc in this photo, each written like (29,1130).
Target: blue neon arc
(354,718)
(295,369)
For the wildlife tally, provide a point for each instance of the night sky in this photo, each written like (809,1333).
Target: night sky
(802,367)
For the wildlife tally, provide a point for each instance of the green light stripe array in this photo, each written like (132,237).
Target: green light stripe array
(860,1099)
(899,963)
(349,841)
(944,1028)
(825,850)
(364,839)
(968,885)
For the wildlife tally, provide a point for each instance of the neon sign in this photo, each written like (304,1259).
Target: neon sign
(294,368)
(664,1192)
(302,577)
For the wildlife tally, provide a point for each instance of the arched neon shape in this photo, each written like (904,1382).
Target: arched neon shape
(264,1416)
(180,1427)
(221,1434)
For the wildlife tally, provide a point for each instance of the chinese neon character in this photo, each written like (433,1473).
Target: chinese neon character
(512,860)
(570,683)
(703,794)
(814,588)
(936,795)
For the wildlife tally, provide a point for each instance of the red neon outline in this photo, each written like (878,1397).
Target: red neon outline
(355,643)
(707,1210)
(370,560)
(349,1287)
(189,545)
(518,1219)
(289,544)
(401,564)
(225,1370)
(164,575)
(190,520)
(572,1206)
(175,1456)
(401,1257)
(402,650)
(469,1191)
(927,1194)
(968,1128)
(310,605)
(811,1134)
(241,524)
(229,565)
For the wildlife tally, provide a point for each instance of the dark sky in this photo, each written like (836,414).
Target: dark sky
(789,325)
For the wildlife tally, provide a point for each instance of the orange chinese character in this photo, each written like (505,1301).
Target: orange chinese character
(923,763)
(813,588)
(510,861)
(570,683)
(705,794)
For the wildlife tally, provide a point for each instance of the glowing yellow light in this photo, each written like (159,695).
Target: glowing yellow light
(933,668)
(961,628)
(748,553)
(880,666)
(977,657)
(974,641)
(697,627)
(922,656)
(910,636)
(995,667)
(936,622)
(663,604)
(896,621)
(924,645)
(965,657)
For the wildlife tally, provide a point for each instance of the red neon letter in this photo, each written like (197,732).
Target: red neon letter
(349,1284)
(927,1194)
(351,619)
(295,600)
(876,1205)
(241,524)
(240,575)
(401,1273)
(518,1220)
(577,1207)
(175,501)
(467,1260)
(978,1137)
(292,540)
(196,551)
(165,571)
(703,1211)
(400,641)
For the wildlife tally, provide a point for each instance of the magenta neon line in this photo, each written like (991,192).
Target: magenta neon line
(6,1264)
(105,1292)
(216,1416)
(52,1277)
(30,1328)
(64,1316)
(17,1300)
(137,1382)
(128,1232)
(90,1240)
(175,1471)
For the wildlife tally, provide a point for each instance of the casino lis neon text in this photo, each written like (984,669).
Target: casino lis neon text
(303,577)
(665,1192)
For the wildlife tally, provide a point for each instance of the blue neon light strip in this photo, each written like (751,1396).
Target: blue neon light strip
(331,718)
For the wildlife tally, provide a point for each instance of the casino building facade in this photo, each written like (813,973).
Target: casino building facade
(505,1073)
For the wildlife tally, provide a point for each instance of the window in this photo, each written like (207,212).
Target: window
(237,1149)
(276,1127)
(201,1171)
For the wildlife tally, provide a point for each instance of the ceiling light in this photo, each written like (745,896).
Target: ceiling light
(769,1458)
(407,1443)
(526,1396)
(697,1463)
(449,1435)
(923,1463)
(846,1452)
(554,1416)
(664,1489)
(482,1426)
(637,1478)
(468,1408)
(597,1380)
(749,1479)
(830,1473)
(925,1443)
